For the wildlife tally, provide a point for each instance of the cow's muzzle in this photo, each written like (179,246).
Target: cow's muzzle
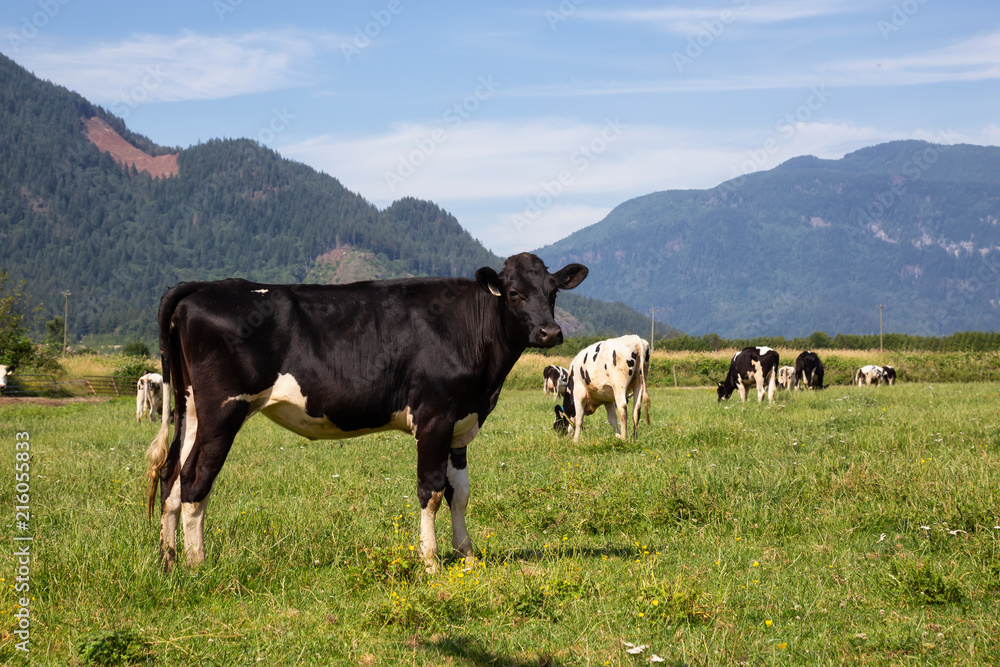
(547,335)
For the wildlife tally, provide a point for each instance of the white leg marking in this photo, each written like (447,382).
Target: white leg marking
(428,538)
(168,522)
(194,531)
(459,480)
(172,505)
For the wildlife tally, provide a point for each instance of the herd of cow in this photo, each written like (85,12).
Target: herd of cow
(427,356)
(589,382)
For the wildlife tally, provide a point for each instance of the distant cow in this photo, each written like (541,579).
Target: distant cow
(4,372)
(888,375)
(751,364)
(427,356)
(808,371)
(148,396)
(786,377)
(606,373)
(868,375)
(554,381)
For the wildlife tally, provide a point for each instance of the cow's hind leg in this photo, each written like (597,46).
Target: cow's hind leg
(208,441)
(170,494)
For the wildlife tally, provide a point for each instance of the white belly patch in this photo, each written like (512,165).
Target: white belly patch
(285,404)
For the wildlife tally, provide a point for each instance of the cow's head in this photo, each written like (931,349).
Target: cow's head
(566,413)
(529,292)
(725,391)
(561,425)
(4,372)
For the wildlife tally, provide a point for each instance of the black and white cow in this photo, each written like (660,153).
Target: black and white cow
(427,356)
(4,372)
(868,375)
(148,396)
(751,364)
(888,375)
(786,377)
(606,373)
(554,381)
(808,371)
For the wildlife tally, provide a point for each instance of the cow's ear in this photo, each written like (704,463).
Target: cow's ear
(490,281)
(570,275)
(559,411)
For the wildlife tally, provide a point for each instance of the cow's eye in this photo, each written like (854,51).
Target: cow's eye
(512,294)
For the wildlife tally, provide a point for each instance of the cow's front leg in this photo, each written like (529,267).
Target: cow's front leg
(433,452)
(457,492)
(612,411)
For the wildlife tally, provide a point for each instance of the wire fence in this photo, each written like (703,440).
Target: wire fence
(92,385)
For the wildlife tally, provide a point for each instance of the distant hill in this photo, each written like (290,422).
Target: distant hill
(89,207)
(811,245)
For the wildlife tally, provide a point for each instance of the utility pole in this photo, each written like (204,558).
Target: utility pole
(65,321)
(880,307)
(652,327)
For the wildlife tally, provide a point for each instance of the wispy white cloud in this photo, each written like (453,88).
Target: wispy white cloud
(187,66)
(970,60)
(974,59)
(523,185)
(692,19)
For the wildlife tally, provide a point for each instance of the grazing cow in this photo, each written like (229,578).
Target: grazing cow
(808,371)
(868,375)
(554,381)
(786,377)
(4,372)
(889,375)
(148,396)
(751,364)
(427,356)
(606,373)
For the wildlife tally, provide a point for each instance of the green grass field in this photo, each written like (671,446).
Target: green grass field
(848,525)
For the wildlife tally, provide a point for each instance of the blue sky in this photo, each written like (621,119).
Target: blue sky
(527,120)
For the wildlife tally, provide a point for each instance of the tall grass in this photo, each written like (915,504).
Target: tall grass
(849,525)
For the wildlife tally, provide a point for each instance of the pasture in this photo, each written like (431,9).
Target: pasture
(848,525)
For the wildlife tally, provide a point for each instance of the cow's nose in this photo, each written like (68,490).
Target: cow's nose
(550,336)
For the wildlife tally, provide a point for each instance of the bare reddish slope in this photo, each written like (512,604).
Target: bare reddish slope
(105,138)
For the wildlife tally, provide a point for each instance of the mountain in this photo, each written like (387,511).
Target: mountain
(90,208)
(811,245)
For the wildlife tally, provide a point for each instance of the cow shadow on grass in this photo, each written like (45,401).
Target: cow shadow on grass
(469,651)
(491,556)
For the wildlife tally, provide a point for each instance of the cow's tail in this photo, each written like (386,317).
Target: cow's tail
(643,373)
(170,355)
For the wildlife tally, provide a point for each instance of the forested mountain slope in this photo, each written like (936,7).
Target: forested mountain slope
(73,219)
(812,245)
